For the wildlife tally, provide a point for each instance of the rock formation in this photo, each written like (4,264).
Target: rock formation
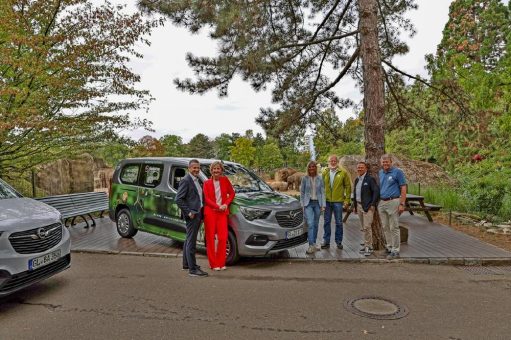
(82,174)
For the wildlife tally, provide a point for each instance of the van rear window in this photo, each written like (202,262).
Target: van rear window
(152,174)
(129,174)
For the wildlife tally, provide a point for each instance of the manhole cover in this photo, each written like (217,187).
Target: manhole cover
(376,307)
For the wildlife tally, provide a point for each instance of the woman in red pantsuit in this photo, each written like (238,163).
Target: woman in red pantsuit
(218,194)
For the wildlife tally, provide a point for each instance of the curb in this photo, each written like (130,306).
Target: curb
(451,261)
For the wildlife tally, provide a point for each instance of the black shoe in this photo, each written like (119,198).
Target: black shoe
(197,272)
(185,268)
(387,251)
(362,250)
(339,245)
(325,245)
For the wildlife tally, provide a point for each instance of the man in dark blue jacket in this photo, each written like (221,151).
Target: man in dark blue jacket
(189,200)
(366,194)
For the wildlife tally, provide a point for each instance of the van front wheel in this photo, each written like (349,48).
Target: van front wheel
(125,226)
(232,249)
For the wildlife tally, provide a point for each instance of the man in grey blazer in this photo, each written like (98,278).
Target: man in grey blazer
(189,200)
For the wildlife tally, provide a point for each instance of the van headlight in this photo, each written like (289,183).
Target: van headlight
(254,214)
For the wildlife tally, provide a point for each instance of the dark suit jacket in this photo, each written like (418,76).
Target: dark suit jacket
(187,197)
(370,193)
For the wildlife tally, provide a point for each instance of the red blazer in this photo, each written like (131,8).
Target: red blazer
(226,191)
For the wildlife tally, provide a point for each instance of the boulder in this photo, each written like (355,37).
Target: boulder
(415,171)
(81,174)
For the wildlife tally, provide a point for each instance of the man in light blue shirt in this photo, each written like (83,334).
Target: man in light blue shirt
(392,203)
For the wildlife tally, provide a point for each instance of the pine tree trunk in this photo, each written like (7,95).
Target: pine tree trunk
(374,100)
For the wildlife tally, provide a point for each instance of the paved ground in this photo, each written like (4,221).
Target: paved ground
(135,297)
(427,243)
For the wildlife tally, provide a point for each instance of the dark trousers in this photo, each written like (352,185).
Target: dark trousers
(192,229)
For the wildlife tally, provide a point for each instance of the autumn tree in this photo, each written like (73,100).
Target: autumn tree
(64,80)
(148,146)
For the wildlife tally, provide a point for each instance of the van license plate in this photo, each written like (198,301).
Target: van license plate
(44,260)
(294,233)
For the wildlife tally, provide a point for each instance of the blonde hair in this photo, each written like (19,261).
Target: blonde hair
(215,163)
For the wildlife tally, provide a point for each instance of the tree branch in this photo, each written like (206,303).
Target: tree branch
(454,100)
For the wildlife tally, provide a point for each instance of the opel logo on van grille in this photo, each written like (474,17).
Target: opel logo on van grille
(289,219)
(42,233)
(293,213)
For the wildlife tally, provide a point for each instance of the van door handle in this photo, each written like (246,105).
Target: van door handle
(169,198)
(156,195)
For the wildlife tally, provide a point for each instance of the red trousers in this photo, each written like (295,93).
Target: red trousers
(216,223)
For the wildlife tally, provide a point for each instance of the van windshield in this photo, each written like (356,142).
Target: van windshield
(242,179)
(7,192)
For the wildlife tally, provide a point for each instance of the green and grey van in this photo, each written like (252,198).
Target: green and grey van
(261,221)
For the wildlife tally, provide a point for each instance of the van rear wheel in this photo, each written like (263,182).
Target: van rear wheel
(124,224)
(232,249)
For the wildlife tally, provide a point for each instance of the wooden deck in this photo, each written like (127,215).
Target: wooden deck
(427,243)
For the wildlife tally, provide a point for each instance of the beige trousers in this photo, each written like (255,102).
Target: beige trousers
(366,219)
(389,215)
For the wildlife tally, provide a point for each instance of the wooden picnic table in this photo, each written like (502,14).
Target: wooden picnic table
(416,203)
(412,203)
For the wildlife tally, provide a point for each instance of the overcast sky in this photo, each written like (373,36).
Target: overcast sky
(179,113)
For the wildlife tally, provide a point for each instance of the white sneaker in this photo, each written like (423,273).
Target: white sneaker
(317,246)
(311,249)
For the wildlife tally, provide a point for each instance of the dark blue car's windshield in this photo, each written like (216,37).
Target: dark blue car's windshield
(242,179)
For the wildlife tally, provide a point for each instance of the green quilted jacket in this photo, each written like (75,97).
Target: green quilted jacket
(341,190)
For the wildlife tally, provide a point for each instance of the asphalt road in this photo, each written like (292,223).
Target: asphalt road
(136,297)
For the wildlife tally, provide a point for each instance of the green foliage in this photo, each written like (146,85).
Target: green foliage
(172,145)
(268,157)
(486,185)
(483,189)
(200,146)
(505,208)
(243,152)
(113,152)
(223,145)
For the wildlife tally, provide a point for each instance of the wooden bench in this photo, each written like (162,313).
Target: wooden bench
(81,205)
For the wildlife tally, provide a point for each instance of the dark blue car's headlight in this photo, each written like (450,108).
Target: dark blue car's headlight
(254,214)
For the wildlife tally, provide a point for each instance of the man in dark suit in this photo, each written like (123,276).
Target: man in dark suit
(189,200)
(366,194)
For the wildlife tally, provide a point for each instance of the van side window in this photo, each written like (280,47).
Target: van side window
(129,174)
(151,175)
(176,175)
